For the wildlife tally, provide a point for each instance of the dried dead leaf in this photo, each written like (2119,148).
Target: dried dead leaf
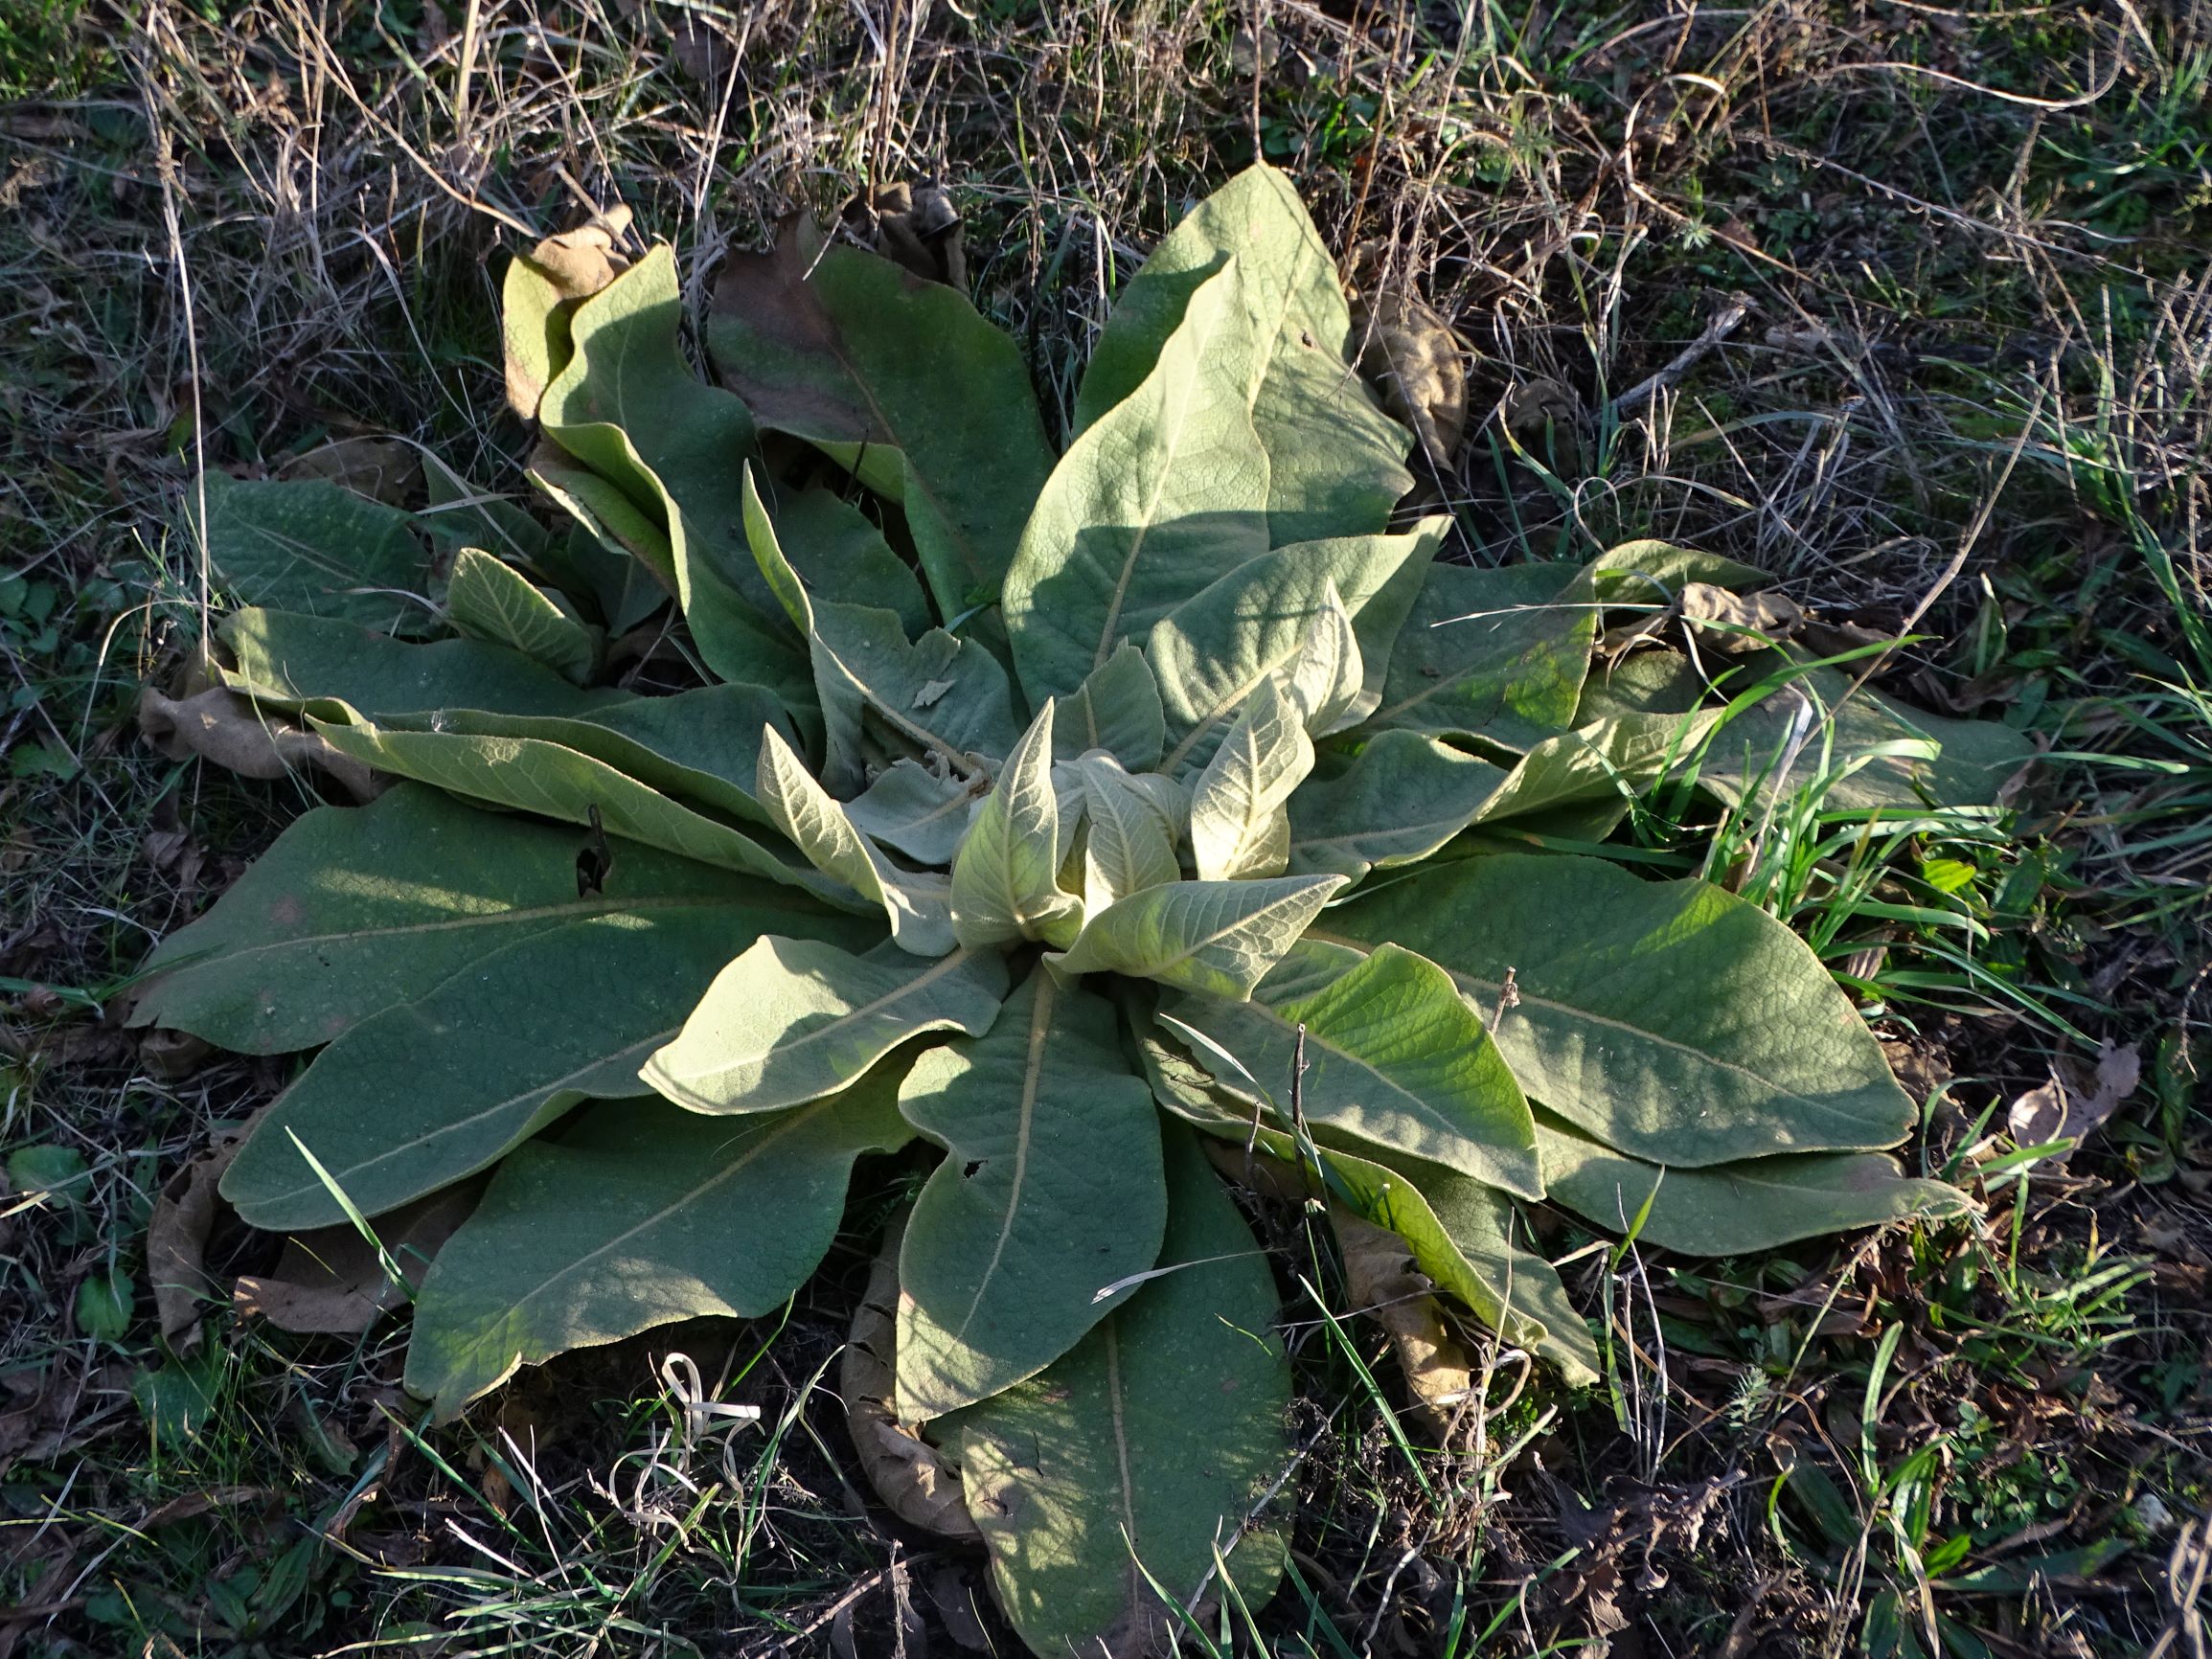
(917,225)
(581,261)
(381,468)
(2075,1102)
(219,725)
(171,1055)
(1737,623)
(914,1481)
(1408,352)
(1383,1284)
(331,1282)
(176,1235)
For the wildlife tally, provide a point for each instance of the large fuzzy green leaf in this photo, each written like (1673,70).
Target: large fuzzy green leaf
(1338,461)
(1147,1449)
(1403,796)
(357,909)
(918,903)
(1671,1019)
(1607,763)
(1238,827)
(421,1095)
(1495,654)
(540,776)
(1117,708)
(641,1215)
(844,348)
(325,666)
(794,1020)
(1394,1057)
(1129,840)
(886,699)
(1458,1229)
(307,545)
(1730,1208)
(1050,1190)
(1218,937)
(630,409)
(1146,507)
(493,601)
(1211,652)
(1005,882)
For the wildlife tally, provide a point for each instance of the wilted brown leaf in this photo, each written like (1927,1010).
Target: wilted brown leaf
(329,1281)
(381,468)
(1737,623)
(1410,354)
(2075,1102)
(170,1054)
(915,1483)
(1383,1284)
(176,1235)
(917,225)
(220,726)
(581,261)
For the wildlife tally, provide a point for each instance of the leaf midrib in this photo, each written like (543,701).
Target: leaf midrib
(1032,1072)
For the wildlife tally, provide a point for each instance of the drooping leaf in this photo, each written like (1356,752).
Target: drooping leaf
(1671,1019)
(844,348)
(358,909)
(1117,708)
(533,328)
(1149,1447)
(844,560)
(492,601)
(1220,936)
(536,775)
(1394,1057)
(641,1215)
(630,409)
(1239,826)
(915,812)
(313,665)
(1211,651)
(1647,572)
(1050,1190)
(1337,461)
(307,545)
(1130,844)
(886,699)
(1165,492)
(1403,796)
(424,1094)
(1005,882)
(794,1020)
(1731,1208)
(1495,654)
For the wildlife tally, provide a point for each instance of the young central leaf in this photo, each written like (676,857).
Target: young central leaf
(1132,840)
(917,903)
(1006,881)
(1050,1190)
(1220,936)
(1238,827)
(794,1020)
(1394,1056)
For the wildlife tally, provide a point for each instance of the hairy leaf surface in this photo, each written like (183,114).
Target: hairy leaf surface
(1117,708)
(1238,827)
(1730,1208)
(1403,797)
(1496,654)
(851,352)
(1220,936)
(1337,461)
(641,1215)
(1146,507)
(309,545)
(493,601)
(357,909)
(1144,1449)
(421,1095)
(1005,882)
(1050,1190)
(915,812)
(794,1020)
(918,902)
(1672,1020)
